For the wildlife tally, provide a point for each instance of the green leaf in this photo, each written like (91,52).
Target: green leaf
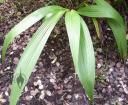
(72,21)
(82,50)
(115,21)
(26,23)
(96,24)
(31,55)
(86,71)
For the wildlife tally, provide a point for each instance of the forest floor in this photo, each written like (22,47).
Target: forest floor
(53,81)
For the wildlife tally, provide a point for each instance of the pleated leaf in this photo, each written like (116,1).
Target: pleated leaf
(31,55)
(72,21)
(26,23)
(82,50)
(86,69)
(103,10)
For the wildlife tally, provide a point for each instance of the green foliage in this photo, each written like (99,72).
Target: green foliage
(115,21)
(2,1)
(82,50)
(79,38)
(32,53)
(86,64)
(26,23)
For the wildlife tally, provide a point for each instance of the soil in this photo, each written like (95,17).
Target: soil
(53,81)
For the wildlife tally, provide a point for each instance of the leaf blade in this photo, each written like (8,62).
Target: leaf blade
(97,27)
(73,30)
(26,23)
(31,55)
(86,61)
(84,68)
(115,21)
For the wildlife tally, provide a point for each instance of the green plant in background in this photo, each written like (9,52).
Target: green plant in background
(2,1)
(79,38)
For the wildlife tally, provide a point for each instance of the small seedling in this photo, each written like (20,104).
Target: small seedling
(79,38)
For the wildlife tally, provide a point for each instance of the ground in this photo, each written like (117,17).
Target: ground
(53,81)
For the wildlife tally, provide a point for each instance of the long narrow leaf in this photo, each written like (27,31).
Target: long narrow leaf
(31,55)
(86,70)
(96,24)
(72,21)
(26,23)
(103,9)
(82,51)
